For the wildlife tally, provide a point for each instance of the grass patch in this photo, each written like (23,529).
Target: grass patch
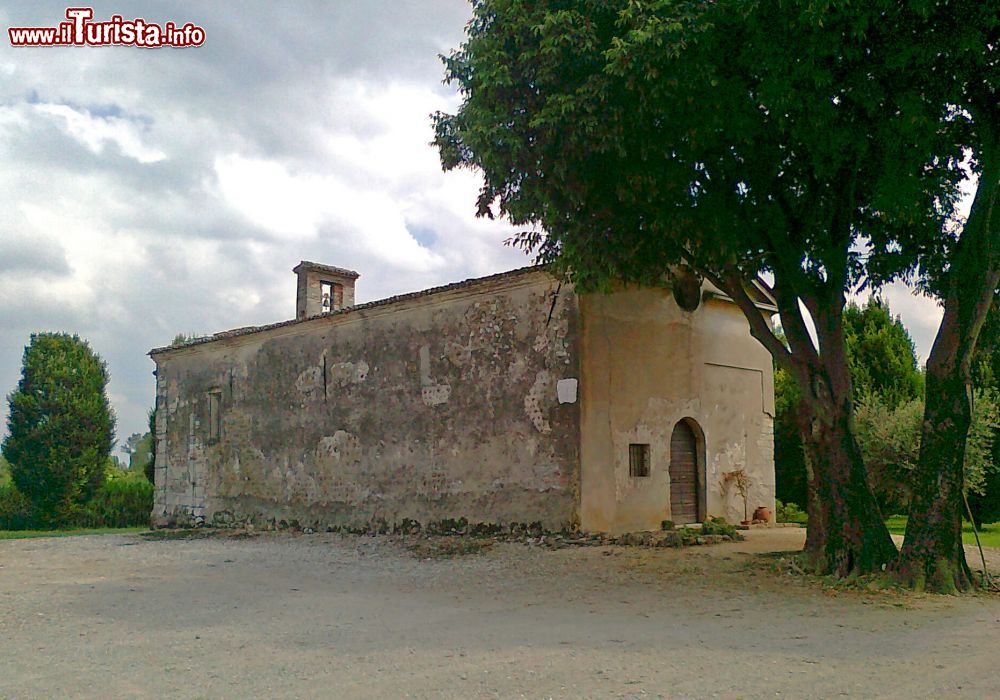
(989,535)
(73,532)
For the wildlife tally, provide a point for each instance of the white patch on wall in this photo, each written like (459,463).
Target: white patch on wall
(458,355)
(546,477)
(425,365)
(533,402)
(430,393)
(435,394)
(172,397)
(361,371)
(340,448)
(344,373)
(310,380)
(566,390)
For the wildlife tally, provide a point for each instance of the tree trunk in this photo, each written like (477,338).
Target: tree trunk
(846,535)
(933,556)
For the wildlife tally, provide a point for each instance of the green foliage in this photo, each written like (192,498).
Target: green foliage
(16,512)
(150,465)
(633,136)
(890,440)
(985,501)
(185,338)
(71,532)
(985,504)
(789,459)
(789,513)
(718,526)
(141,454)
(124,500)
(881,354)
(989,535)
(60,427)
(885,375)
(4,472)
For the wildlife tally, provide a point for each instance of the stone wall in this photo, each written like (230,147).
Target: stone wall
(458,402)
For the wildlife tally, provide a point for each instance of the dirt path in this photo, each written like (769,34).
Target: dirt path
(325,616)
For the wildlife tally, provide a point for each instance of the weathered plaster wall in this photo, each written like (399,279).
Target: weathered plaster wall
(647,364)
(440,406)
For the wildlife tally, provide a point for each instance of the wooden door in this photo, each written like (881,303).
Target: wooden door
(683,475)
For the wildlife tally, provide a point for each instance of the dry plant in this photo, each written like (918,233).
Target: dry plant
(739,479)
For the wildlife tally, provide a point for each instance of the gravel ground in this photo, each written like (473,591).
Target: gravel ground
(325,616)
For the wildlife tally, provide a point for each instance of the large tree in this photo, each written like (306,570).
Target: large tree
(960,49)
(61,427)
(745,139)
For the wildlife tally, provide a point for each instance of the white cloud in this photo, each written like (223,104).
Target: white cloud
(96,132)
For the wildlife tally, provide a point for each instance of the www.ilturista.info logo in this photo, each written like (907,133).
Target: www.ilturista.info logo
(81,31)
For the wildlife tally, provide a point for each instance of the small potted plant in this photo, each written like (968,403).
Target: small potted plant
(740,480)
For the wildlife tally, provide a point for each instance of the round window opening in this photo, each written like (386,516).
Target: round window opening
(687,290)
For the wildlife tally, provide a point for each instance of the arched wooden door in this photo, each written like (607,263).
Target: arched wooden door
(683,474)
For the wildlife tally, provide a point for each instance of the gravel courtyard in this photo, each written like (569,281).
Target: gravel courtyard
(325,616)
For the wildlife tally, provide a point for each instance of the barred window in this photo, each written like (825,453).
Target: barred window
(638,460)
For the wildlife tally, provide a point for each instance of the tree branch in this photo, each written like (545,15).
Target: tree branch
(731,283)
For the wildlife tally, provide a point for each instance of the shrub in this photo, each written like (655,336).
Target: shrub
(150,465)
(889,438)
(789,513)
(718,526)
(15,510)
(890,441)
(125,500)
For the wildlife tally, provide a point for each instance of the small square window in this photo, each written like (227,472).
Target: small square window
(638,460)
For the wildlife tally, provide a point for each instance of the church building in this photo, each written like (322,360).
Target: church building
(503,399)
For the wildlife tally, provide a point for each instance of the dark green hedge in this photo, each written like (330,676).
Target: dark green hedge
(120,502)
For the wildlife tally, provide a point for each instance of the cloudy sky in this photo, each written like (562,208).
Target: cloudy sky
(145,193)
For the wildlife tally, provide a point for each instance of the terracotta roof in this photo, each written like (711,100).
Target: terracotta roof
(249,330)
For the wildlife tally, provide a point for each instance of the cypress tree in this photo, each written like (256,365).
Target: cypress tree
(60,429)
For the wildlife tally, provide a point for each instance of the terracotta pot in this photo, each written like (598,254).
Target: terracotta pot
(745,523)
(762,513)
